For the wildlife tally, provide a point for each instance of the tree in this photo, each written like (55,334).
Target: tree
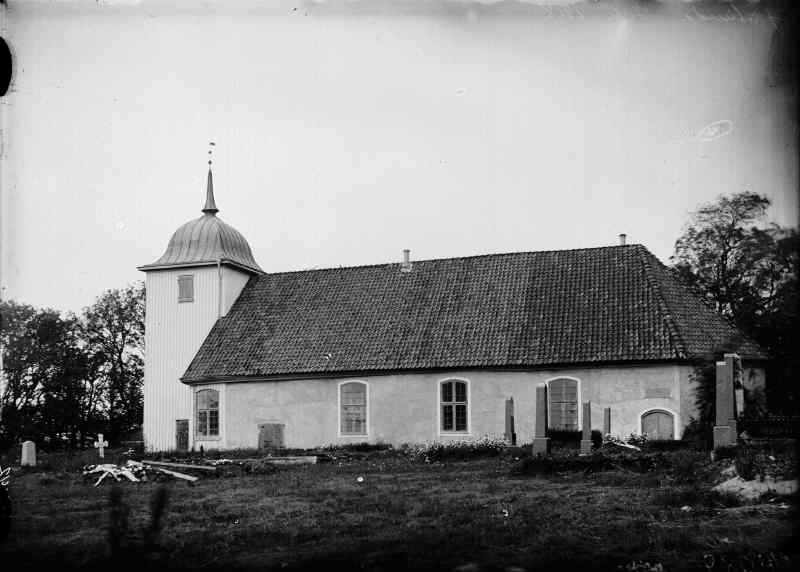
(45,372)
(748,270)
(67,378)
(114,333)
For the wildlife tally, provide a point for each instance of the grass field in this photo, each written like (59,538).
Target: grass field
(465,515)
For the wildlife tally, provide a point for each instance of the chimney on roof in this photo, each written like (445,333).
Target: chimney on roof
(622,238)
(405,265)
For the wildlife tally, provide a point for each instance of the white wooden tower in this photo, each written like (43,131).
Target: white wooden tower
(194,283)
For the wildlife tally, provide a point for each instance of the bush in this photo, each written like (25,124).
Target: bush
(685,466)
(564,439)
(728,452)
(668,445)
(363,447)
(753,461)
(519,452)
(456,450)
(688,466)
(747,465)
(773,459)
(563,462)
(697,435)
(207,454)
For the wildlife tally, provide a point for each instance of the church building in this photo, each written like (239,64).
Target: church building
(416,351)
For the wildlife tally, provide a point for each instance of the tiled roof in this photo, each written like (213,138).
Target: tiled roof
(528,309)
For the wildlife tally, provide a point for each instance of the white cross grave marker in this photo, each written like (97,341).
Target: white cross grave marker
(100,445)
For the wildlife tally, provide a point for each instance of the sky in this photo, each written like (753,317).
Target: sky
(346,131)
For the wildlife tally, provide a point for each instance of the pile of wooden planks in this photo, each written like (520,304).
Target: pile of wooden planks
(136,471)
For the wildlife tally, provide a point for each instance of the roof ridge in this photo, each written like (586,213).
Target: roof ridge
(675,337)
(491,254)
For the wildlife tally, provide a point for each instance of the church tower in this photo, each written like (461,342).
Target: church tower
(192,285)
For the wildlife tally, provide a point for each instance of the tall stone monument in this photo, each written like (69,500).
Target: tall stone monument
(541,443)
(510,435)
(725,430)
(586,439)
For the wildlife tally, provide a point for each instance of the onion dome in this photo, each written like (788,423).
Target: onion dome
(207,240)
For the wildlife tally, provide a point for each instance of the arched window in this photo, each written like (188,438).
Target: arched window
(562,395)
(207,407)
(454,406)
(353,408)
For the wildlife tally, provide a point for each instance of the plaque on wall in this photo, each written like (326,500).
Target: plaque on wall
(652,392)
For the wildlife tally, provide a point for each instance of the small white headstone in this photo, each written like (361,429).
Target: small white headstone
(100,445)
(28,454)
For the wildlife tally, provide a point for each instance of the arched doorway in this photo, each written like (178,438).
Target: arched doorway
(658,424)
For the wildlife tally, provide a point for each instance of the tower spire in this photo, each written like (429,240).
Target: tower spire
(211,206)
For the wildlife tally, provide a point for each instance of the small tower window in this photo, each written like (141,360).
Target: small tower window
(186,288)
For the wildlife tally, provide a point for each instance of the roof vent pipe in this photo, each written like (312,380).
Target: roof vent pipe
(405,265)
(622,238)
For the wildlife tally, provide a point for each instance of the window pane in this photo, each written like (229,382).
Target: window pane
(556,416)
(563,416)
(563,390)
(213,422)
(354,394)
(461,392)
(447,392)
(201,422)
(447,417)
(354,419)
(208,399)
(353,414)
(563,396)
(185,288)
(570,415)
(461,417)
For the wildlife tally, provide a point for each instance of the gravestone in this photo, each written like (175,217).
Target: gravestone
(725,430)
(586,440)
(606,421)
(28,454)
(510,435)
(100,445)
(541,443)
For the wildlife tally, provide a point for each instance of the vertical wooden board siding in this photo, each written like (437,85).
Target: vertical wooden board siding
(232,283)
(174,332)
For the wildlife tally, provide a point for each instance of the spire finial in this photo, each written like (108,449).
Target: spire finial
(211,207)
